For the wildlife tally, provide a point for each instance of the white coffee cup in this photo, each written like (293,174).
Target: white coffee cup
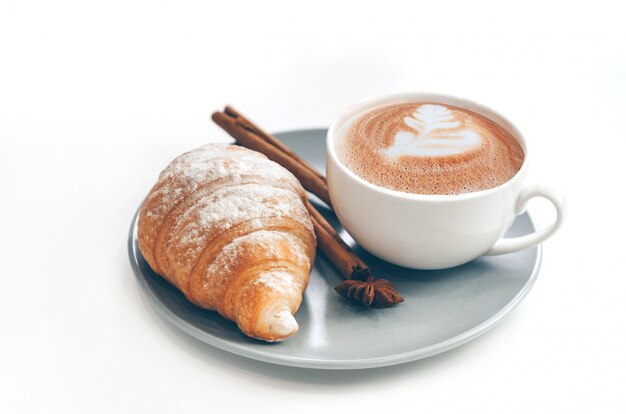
(433,231)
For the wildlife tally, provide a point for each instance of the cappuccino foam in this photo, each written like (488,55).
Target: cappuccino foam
(428,148)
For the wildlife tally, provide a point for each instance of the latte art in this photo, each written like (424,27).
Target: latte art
(429,148)
(436,132)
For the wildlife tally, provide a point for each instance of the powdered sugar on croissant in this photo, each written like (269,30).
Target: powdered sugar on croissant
(228,227)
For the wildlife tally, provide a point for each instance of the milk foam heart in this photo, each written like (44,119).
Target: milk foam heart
(429,148)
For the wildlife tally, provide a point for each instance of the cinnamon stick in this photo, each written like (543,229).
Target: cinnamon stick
(360,285)
(247,124)
(239,129)
(335,249)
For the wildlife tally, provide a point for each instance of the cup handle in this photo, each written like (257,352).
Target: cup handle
(514,244)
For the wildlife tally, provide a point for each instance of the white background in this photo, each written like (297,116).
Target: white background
(95,99)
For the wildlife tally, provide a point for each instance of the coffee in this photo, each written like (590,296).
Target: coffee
(428,148)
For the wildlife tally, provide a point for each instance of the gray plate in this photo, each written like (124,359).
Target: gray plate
(442,310)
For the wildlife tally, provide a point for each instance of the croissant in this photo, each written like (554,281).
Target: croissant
(229,229)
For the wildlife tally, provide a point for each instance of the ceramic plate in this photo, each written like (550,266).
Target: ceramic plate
(442,310)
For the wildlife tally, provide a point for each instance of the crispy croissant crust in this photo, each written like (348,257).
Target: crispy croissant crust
(229,229)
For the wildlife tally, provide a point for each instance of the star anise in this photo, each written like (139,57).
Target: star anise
(369,292)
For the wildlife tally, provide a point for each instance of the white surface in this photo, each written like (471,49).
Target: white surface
(96,99)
